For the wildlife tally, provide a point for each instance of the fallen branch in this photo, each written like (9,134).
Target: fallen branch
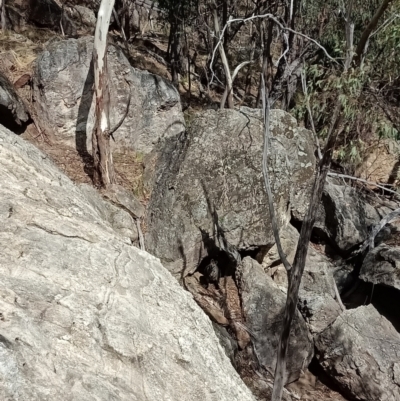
(363,181)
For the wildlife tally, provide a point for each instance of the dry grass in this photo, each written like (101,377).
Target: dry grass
(128,165)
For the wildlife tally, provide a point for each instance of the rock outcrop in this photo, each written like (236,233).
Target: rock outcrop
(209,193)
(263,306)
(360,351)
(63,89)
(85,315)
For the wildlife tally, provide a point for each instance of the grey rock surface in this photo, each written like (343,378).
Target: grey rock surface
(317,299)
(120,220)
(13,112)
(85,315)
(343,216)
(360,351)
(382,266)
(263,306)
(209,185)
(289,237)
(63,90)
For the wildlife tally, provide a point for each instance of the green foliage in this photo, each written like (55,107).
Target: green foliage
(364,91)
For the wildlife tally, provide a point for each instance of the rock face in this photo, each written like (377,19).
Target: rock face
(209,186)
(13,113)
(263,306)
(344,217)
(85,315)
(63,90)
(361,352)
(382,266)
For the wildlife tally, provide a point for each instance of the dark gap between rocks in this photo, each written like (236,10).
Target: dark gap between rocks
(316,369)
(8,120)
(385,299)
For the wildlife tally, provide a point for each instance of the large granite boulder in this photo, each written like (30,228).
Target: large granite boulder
(63,89)
(13,113)
(84,315)
(360,351)
(209,191)
(263,307)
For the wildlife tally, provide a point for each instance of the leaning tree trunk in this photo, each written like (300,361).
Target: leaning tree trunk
(102,158)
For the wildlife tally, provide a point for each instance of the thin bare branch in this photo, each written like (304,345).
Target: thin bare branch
(227,90)
(224,62)
(350,177)
(277,22)
(272,215)
(305,91)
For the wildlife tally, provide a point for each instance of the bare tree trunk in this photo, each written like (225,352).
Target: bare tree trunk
(296,272)
(103,163)
(362,44)
(229,84)
(3,14)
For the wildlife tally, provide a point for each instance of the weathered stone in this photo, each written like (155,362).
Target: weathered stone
(13,113)
(209,187)
(85,315)
(120,220)
(317,292)
(263,307)
(382,266)
(124,199)
(343,216)
(84,17)
(289,237)
(360,351)
(63,90)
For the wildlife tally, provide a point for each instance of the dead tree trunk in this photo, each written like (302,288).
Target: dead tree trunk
(102,158)
(296,272)
(228,77)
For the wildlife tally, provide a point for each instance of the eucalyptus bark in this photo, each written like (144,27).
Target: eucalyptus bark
(103,174)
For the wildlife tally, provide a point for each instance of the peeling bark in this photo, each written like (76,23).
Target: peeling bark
(102,157)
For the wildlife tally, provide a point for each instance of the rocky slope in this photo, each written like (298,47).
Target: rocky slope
(84,314)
